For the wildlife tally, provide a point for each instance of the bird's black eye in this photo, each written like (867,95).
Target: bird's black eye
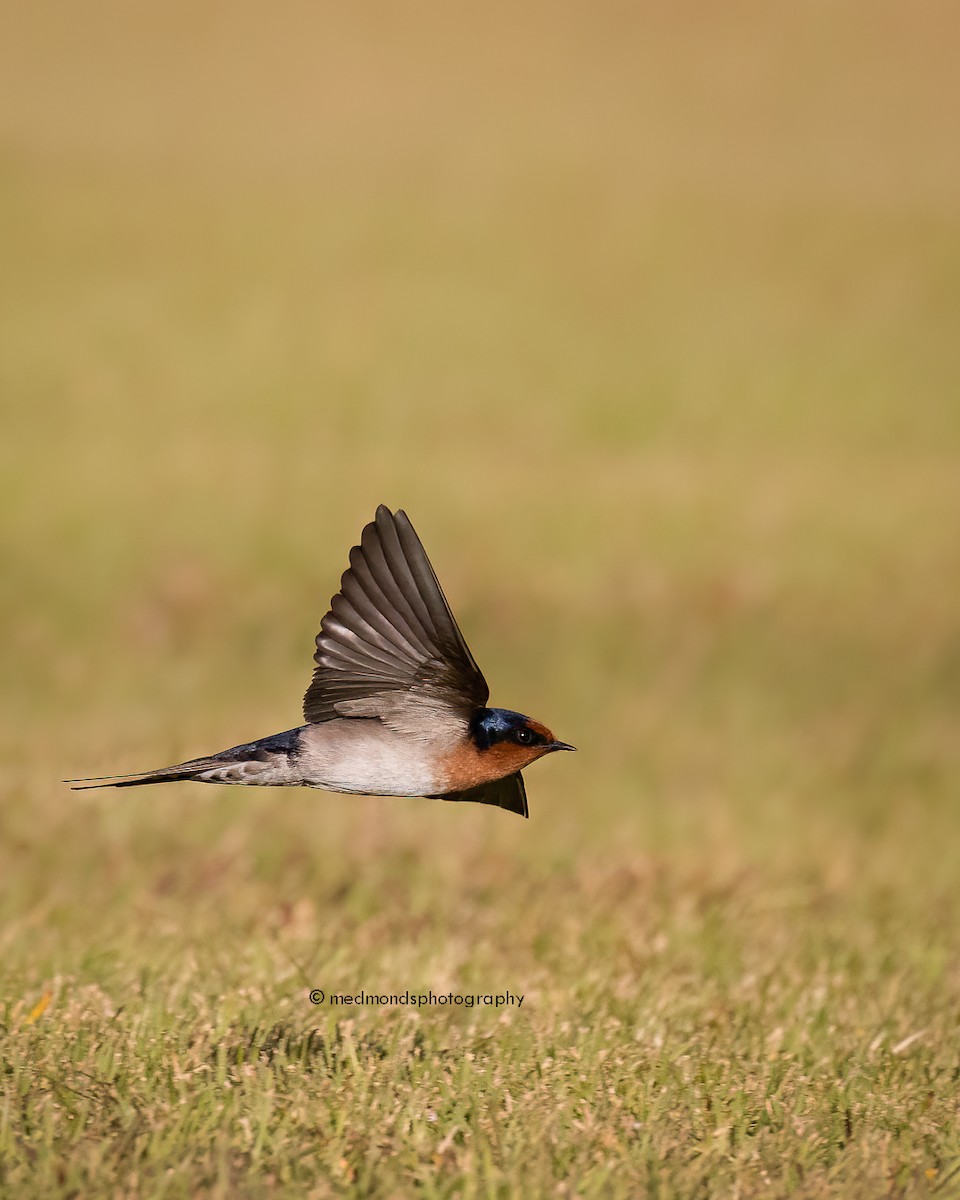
(523,737)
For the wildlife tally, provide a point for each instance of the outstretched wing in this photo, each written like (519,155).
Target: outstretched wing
(389,646)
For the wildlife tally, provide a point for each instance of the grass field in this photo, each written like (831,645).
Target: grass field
(649,319)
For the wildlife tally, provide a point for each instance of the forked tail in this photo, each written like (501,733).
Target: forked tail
(199,769)
(270,761)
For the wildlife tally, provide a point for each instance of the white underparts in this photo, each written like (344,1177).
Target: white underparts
(364,757)
(359,756)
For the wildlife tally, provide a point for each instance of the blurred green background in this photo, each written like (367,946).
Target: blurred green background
(648,316)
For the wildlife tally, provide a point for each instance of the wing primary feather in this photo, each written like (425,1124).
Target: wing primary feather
(382,571)
(361,590)
(364,673)
(390,637)
(402,570)
(349,637)
(430,589)
(380,596)
(356,612)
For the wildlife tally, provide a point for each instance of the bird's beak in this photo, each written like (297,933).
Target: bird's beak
(560,746)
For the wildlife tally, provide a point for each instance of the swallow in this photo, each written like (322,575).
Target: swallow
(397,705)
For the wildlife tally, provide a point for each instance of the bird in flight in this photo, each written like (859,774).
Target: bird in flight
(397,705)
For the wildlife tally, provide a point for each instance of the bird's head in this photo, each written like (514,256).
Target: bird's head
(513,739)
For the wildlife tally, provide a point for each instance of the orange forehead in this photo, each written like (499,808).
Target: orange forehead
(541,729)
